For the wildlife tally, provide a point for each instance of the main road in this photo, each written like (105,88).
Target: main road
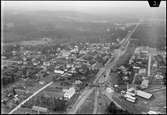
(123,46)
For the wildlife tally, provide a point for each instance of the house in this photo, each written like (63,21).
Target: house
(142,71)
(155,64)
(58,71)
(144,84)
(78,82)
(109,90)
(130,93)
(82,52)
(144,52)
(65,53)
(158,76)
(130,99)
(46,63)
(129,96)
(56,93)
(3,57)
(20,91)
(136,67)
(69,65)
(69,92)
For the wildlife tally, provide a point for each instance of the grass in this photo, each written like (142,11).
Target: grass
(159,101)
(88,105)
(103,103)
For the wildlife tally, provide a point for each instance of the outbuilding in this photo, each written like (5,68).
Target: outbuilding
(39,109)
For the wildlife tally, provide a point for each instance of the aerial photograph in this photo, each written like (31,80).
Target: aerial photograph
(83,57)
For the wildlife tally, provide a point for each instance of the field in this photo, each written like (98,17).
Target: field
(103,102)
(88,105)
(151,33)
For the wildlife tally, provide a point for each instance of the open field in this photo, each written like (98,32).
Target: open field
(103,102)
(151,34)
(88,105)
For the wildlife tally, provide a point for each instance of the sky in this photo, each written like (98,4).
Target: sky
(77,4)
(85,6)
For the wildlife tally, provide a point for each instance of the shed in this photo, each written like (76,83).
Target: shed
(39,109)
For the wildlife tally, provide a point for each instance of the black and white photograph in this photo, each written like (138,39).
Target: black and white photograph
(83,57)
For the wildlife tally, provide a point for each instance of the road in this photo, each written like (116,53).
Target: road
(17,107)
(99,74)
(157,89)
(123,45)
(119,52)
(96,101)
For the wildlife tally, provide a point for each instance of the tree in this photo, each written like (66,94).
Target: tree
(164,80)
(83,70)
(7,80)
(138,80)
(60,105)
(113,109)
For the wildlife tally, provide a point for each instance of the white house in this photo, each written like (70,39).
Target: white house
(142,71)
(69,92)
(144,84)
(59,71)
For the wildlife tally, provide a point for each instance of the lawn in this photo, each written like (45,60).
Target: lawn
(88,105)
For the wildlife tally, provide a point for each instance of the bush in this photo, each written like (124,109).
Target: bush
(113,109)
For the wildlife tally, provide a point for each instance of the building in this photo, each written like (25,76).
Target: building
(130,99)
(158,76)
(78,82)
(136,67)
(109,90)
(144,84)
(142,71)
(40,109)
(65,53)
(69,92)
(143,94)
(153,112)
(130,95)
(155,64)
(58,71)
